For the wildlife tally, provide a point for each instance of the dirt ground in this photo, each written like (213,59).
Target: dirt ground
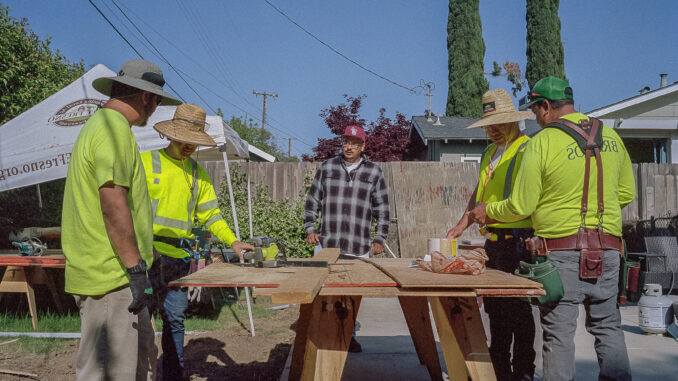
(214,355)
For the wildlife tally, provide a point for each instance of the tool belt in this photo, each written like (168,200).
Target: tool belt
(176,242)
(586,239)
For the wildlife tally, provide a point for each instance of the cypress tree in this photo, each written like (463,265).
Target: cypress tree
(466,51)
(545,54)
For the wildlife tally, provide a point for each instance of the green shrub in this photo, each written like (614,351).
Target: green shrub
(281,219)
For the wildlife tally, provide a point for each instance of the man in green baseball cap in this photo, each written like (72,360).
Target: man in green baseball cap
(550,188)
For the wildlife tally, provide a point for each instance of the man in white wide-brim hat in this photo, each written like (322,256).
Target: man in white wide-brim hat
(180,191)
(106,229)
(511,321)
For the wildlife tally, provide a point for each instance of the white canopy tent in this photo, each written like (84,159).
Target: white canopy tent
(35,147)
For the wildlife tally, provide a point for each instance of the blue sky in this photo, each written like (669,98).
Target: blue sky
(612,49)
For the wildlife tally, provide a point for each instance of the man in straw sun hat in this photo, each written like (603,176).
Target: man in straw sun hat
(107,229)
(551,187)
(511,321)
(180,191)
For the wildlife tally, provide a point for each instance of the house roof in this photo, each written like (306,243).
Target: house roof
(638,104)
(454,128)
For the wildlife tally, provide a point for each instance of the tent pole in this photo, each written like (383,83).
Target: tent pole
(39,197)
(237,232)
(249,197)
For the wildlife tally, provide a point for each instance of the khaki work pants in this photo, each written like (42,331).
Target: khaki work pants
(115,343)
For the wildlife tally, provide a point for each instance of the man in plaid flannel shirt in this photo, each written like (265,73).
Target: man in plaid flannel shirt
(350,191)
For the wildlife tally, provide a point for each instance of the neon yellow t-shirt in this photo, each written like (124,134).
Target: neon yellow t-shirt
(495,182)
(104,151)
(175,207)
(550,180)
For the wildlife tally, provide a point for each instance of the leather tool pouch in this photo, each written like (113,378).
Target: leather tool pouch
(591,263)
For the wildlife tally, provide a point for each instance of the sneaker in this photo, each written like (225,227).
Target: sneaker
(355,346)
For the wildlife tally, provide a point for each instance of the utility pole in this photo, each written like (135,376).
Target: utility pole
(289,147)
(263,113)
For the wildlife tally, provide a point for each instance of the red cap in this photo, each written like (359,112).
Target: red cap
(355,131)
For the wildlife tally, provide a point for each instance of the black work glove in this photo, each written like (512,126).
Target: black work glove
(142,292)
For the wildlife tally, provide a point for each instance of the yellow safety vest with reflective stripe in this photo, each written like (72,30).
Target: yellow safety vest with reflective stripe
(494,183)
(180,192)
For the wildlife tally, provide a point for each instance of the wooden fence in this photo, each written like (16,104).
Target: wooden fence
(427,198)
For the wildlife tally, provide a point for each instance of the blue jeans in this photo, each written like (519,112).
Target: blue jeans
(511,320)
(603,320)
(174,301)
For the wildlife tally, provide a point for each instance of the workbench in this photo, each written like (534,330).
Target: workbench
(23,273)
(330,299)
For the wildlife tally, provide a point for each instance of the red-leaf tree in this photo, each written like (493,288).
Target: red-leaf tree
(387,139)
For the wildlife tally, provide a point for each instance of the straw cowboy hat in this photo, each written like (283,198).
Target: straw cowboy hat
(498,108)
(140,74)
(187,126)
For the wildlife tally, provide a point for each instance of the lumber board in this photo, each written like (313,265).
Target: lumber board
(303,286)
(413,277)
(392,292)
(12,258)
(356,273)
(228,275)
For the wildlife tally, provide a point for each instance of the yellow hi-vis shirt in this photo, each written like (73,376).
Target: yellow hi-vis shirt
(550,180)
(181,191)
(495,182)
(105,151)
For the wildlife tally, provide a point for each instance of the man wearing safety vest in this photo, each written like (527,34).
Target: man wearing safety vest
(575,201)
(511,320)
(180,191)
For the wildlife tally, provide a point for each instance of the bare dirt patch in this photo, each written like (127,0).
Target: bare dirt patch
(216,355)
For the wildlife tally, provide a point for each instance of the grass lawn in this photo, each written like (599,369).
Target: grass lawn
(226,315)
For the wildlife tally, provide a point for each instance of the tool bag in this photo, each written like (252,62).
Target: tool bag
(542,270)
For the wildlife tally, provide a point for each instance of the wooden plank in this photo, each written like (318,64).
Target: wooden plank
(14,259)
(329,334)
(354,273)
(416,312)
(228,275)
(508,292)
(303,286)
(303,323)
(462,338)
(660,195)
(392,292)
(414,277)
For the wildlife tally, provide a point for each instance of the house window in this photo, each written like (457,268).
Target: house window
(646,150)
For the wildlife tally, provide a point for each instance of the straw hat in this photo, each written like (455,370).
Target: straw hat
(498,108)
(140,74)
(187,126)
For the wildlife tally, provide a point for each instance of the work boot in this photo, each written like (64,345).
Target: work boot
(355,346)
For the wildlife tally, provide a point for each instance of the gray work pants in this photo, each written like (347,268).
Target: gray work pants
(603,320)
(115,344)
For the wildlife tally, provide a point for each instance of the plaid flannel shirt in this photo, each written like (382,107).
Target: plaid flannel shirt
(347,203)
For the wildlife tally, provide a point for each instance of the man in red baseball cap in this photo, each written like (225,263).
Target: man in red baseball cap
(350,191)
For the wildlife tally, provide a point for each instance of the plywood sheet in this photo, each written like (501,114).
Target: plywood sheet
(356,273)
(414,277)
(227,275)
(392,292)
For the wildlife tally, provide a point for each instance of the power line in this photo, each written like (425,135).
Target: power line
(209,72)
(338,52)
(164,58)
(174,68)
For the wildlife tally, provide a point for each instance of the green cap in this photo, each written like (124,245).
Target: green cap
(549,88)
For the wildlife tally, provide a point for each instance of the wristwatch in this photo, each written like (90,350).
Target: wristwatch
(140,267)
